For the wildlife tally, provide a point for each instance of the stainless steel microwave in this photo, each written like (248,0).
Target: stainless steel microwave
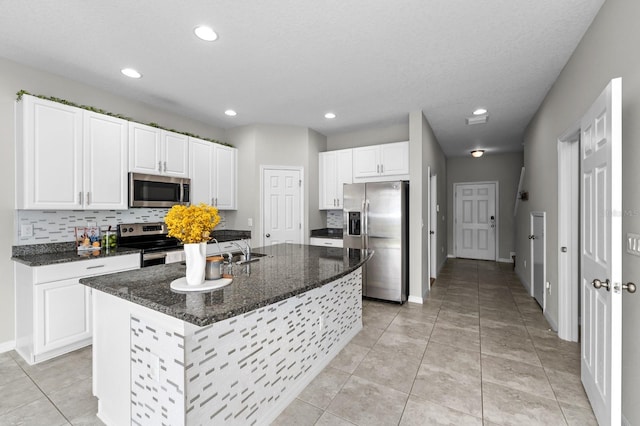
(157,191)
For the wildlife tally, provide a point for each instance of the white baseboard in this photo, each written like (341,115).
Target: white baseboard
(452,256)
(415,299)
(625,422)
(552,323)
(7,346)
(505,260)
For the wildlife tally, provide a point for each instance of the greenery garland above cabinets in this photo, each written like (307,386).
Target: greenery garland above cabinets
(21,93)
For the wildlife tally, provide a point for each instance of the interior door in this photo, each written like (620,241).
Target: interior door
(601,210)
(475,221)
(538,256)
(282,220)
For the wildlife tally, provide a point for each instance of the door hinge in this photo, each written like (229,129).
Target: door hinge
(299,226)
(300,182)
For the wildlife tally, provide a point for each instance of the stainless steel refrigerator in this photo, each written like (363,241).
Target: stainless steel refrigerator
(376,216)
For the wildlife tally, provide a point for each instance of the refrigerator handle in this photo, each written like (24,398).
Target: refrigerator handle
(365,211)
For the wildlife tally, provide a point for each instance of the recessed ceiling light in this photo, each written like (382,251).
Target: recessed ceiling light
(330,115)
(477,153)
(480,111)
(231,113)
(205,33)
(130,72)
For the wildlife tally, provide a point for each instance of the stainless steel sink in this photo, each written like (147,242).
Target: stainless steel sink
(239,259)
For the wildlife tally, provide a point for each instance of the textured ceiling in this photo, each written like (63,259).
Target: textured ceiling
(290,61)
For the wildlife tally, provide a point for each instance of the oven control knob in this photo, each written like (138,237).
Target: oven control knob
(130,229)
(124,230)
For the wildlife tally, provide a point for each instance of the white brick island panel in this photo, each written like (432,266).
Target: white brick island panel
(247,369)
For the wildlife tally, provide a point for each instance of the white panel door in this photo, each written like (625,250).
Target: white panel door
(475,221)
(281,203)
(144,149)
(394,159)
(366,161)
(105,162)
(601,214)
(328,180)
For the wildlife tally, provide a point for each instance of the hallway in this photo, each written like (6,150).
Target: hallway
(478,352)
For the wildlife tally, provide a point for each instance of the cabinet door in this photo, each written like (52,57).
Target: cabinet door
(328,180)
(144,149)
(200,153)
(344,172)
(49,154)
(366,161)
(63,314)
(224,177)
(105,162)
(175,154)
(394,159)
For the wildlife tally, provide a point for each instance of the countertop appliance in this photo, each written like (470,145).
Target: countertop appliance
(151,238)
(376,216)
(158,191)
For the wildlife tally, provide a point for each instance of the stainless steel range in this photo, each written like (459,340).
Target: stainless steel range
(151,238)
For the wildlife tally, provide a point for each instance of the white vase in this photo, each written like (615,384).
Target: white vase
(195,257)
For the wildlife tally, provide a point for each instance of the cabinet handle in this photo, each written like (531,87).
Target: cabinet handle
(95,267)
(160,166)
(381,168)
(377,168)
(80,197)
(165,167)
(88,198)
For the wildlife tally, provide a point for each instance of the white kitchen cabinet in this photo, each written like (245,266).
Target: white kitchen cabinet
(53,310)
(325,242)
(381,161)
(213,174)
(336,169)
(69,158)
(105,162)
(158,152)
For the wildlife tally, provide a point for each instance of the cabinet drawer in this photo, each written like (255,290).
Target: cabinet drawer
(84,268)
(325,242)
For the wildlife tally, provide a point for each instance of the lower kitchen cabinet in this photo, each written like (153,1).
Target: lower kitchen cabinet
(53,310)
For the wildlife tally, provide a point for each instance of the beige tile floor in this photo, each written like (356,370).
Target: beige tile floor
(478,352)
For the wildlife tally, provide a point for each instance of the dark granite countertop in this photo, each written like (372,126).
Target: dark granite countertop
(52,258)
(334,233)
(285,271)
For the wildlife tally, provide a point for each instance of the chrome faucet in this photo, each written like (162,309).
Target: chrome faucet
(245,251)
(217,244)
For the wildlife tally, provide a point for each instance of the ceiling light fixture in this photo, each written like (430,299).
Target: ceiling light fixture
(130,72)
(205,33)
(230,113)
(480,111)
(330,116)
(477,153)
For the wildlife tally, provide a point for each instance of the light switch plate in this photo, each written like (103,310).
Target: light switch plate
(26,230)
(633,244)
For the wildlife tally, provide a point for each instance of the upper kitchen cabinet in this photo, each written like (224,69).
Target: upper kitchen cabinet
(213,174)
(156,151)
(336,169)
(381,161)
(68,158)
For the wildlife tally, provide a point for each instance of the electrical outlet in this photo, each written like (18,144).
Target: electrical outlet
(525,263)
(250,222)
(26,230)
(633,244)
(548,287)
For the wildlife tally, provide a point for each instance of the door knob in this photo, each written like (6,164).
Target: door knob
(597,284)
(630,287)
(532,237)
(431,232)
(268,235)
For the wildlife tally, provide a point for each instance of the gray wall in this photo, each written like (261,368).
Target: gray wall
(371,136)
(503,168)
(274,145)
(608,50)
(15,77)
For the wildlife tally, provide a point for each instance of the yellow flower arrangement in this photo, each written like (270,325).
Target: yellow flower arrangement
(192,224)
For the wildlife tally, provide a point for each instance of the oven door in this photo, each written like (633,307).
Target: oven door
(155,258)
(157,191)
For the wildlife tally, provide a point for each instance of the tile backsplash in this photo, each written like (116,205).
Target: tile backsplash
(334,219)
(56,226)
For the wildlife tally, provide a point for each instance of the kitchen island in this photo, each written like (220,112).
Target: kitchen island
(236,355)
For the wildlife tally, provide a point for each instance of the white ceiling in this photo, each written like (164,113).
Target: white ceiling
(290,61)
